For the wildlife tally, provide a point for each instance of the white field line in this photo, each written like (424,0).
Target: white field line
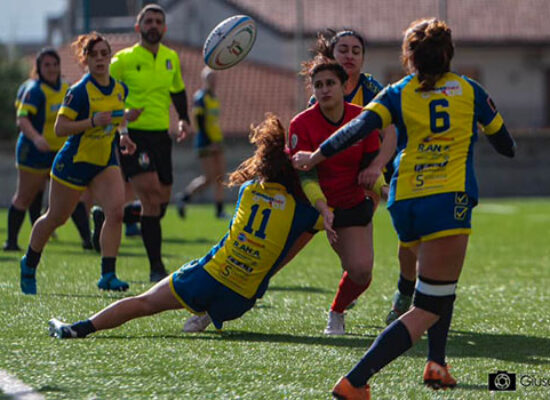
(16,389)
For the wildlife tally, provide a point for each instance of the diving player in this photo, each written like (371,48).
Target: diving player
(267,224)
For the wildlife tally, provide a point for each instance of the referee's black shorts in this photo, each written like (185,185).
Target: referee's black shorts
(153,153)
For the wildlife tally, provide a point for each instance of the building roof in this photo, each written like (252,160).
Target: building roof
(246,91)
(382,21)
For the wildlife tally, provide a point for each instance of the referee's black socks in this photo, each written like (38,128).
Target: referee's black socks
(151,234)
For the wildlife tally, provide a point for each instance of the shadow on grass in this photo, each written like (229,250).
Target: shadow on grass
(51,389)
(174,240)
(111,295)
(505,347)
(257,337)
(305,289)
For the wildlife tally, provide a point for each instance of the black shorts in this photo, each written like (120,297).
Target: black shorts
(359,215)
(153,153)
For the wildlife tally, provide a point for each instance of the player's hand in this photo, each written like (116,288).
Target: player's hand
(133,113)
(102,118)
(303,160)
(41,144)
(368,176)
(328,219)
(127,145)
(184,129)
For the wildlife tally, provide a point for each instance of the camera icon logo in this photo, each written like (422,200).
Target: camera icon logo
(502,381)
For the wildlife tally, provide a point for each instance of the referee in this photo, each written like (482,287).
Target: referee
(153,75)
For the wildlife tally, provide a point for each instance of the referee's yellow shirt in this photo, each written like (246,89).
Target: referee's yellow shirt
(150,80)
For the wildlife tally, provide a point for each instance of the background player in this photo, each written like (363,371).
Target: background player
(208,142)
(91,112)
(336,181)
(432,193)
(38,101)
(227,281)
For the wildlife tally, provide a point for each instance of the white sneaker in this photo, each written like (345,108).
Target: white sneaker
(197,323)
(336,324)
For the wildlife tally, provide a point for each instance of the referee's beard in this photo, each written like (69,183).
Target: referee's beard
(152,36)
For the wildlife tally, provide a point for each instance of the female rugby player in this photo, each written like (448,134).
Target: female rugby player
(432,193)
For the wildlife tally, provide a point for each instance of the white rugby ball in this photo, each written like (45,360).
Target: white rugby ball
(229,42)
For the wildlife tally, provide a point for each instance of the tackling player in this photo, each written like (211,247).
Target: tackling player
(268,223)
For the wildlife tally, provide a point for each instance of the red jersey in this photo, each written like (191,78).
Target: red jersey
(337,174)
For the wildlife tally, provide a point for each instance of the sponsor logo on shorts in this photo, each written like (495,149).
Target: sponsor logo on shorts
(461,213)
(59,166)
(143,160)
(461,199)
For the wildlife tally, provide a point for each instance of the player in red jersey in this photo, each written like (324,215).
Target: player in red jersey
(336,181)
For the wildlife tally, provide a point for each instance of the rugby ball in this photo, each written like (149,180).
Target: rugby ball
(229,42)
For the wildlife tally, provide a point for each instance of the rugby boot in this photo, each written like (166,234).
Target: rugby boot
(400,305)
(437,376)
(344,390)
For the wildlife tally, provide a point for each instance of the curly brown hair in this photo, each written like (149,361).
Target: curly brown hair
(85,43)
(270,162)
(427,49)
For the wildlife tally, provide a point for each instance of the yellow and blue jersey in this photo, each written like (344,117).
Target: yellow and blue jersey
(436,131)
(40,103)
(151,79)
(266,223)
(83,100)
(206,108)
(367,88)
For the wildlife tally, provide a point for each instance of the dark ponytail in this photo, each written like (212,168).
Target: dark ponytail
(427,50)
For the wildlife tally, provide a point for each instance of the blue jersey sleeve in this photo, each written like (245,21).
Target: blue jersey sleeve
(373,85)
(384,105)
(485,109)
(32,101)
(76,105)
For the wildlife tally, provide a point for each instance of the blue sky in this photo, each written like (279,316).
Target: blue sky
(25,20)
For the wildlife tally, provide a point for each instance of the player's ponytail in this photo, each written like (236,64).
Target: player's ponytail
(427,50)
(270,162)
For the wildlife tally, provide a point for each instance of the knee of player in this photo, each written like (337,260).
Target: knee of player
(435,296)
(114,214)
(361,274)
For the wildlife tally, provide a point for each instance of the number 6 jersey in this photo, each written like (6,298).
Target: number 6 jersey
(436,131)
